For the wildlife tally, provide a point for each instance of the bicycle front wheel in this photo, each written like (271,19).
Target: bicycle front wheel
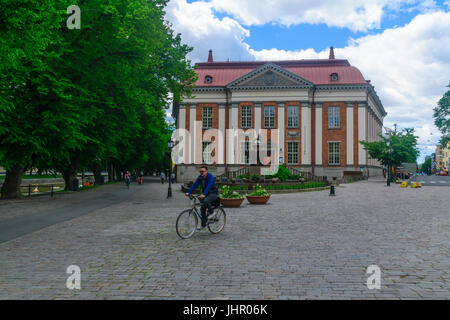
(186,224)
(218,221)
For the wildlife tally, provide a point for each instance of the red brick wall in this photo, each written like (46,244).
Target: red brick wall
(215,122)
(339,134)
(289,139)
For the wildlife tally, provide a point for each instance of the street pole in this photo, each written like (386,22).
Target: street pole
(389,165)
(169,192)
(170,144)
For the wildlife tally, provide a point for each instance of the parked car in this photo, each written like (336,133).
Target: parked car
(443,173)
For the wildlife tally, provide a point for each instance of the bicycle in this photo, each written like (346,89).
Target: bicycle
(187,221)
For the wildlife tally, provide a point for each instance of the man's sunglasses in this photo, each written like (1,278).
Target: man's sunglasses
(201,171)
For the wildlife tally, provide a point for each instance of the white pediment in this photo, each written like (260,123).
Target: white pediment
(270,75)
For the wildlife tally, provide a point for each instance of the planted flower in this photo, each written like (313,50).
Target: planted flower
(259,195)
(230,198)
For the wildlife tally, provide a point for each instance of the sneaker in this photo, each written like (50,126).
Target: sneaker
(212,215)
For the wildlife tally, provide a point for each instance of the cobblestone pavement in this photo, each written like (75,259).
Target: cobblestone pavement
(299,246)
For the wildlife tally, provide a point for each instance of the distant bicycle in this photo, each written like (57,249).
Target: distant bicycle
(188,220)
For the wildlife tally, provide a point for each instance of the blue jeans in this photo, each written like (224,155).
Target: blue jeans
(206,204)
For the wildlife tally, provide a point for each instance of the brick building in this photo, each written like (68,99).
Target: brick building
(307,114)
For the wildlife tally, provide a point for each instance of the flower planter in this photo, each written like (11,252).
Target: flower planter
(231,202)
(258,199)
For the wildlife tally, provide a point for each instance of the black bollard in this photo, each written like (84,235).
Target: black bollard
(332,191)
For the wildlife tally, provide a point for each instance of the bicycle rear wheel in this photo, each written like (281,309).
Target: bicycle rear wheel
(186,224)
(218,221)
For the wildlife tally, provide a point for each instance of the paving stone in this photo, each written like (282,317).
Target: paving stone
(299,246)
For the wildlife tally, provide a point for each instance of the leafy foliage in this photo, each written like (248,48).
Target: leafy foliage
(92,98)
(258,190)
(442,117)
(403,148)
(227,193)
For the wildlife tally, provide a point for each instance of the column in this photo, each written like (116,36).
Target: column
(350,153)
(192,130)
(182,127)
(319,134)
(221,138)
(362,125)
(306,134)
(257,116)
(281,130)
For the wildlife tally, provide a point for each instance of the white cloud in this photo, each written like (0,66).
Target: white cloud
(355,15)
(203,31)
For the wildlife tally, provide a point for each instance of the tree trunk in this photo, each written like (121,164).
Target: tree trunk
(97,173)
(69,176)
(110,173)
(70,172)
(11,186)
(118,173)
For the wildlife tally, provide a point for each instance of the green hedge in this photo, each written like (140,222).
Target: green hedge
(285,187)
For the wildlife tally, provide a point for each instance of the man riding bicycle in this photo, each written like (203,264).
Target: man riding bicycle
(210,192)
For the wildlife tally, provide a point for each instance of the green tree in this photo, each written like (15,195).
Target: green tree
(38,115)
(73,99)
(403,148)
(426,166)
(442,117)
(129,70)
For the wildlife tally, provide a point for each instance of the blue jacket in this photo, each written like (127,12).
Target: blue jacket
(208,184)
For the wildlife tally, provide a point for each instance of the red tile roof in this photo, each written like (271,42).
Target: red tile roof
(315,71)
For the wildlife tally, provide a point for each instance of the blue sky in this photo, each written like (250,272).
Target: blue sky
(401,45)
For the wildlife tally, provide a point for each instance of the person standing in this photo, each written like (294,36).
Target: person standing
(163,177)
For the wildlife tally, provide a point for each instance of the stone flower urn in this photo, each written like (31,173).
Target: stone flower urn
(231,202)
(258,199)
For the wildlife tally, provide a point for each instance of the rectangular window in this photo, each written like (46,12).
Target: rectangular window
(292,120)
(334,152)
(207,117)
(207,152)
(269,117)
(334,117)
(245,152)
(246,116)
(292,153)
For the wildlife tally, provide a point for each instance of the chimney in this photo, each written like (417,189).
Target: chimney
(331,53)
(210,57)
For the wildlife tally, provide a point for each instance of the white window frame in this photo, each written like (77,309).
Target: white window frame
(269,117)
(334,117)
(334,153)
(207,152)
(292,154)
(207,115)
(246,117)
(292,118)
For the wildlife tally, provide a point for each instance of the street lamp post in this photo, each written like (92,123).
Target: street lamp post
(388,143)
(170,144)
